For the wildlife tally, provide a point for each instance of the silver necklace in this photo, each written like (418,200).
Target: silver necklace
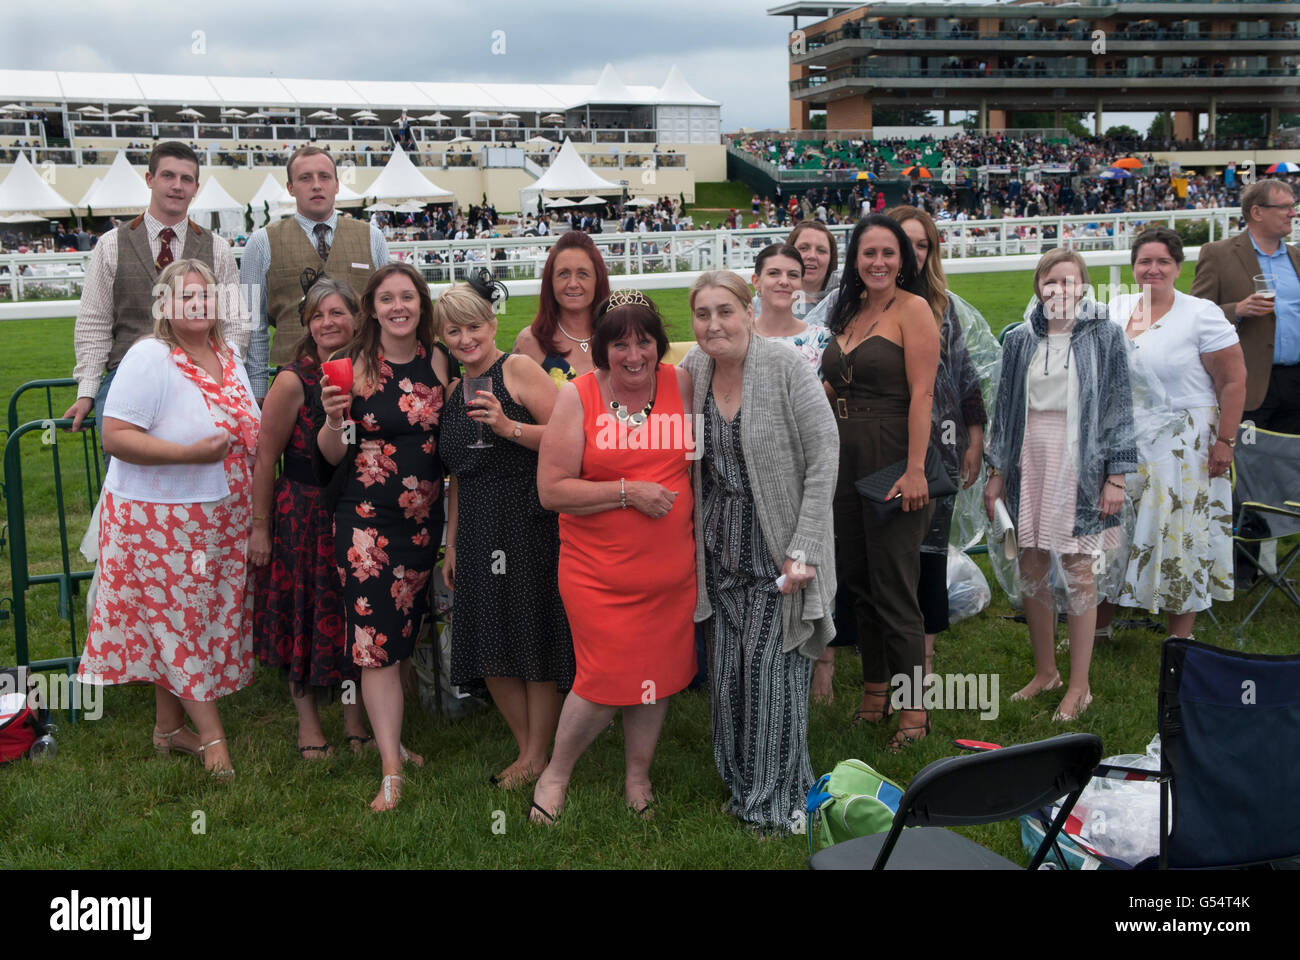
(584,344)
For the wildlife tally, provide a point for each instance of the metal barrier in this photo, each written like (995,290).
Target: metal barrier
(67,579)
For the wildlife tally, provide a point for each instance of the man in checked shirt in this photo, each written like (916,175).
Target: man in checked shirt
(117,298)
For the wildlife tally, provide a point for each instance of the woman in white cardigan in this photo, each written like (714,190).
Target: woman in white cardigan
(173,608)
(769,456)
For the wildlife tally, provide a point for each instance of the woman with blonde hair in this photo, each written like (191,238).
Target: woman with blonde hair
(508,627)
(384,487)
(173,608)
(299,620)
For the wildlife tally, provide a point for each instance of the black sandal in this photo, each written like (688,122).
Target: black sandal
(323,749)
(874,716)
(902,740)
(551,819)
(359,741)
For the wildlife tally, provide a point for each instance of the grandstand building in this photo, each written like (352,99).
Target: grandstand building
(1191,58)
(474,139)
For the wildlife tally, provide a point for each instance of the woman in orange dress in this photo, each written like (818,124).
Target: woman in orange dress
(615,464)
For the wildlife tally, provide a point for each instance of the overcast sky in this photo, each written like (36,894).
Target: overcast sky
(729,50)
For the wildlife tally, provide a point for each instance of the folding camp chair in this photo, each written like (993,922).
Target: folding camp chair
(1229,756)
(960,791)
(1266,486)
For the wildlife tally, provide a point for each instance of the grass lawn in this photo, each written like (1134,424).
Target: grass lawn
(105,803)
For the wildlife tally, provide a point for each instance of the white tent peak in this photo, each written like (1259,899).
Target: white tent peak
(214,198)
(23,191)
(611,89)
(400,180)
(567,174)
(122,189)
(677,90)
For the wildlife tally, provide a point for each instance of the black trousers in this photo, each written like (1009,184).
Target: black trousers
(1280,410)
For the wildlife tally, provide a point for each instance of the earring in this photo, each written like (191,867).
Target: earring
(899,279)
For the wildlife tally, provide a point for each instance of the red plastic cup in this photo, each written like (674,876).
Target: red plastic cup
(340,374)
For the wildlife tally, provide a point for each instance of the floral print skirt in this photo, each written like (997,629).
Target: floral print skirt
(1180,558)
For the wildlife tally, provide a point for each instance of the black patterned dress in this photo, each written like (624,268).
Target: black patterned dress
(388,524)
(298,621)
(507,619)
(759,694)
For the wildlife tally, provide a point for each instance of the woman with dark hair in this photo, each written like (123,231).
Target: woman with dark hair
(819,255)
(298,613)
(385,491)
(778,276)
(574,282)
(881,367)
(614,463)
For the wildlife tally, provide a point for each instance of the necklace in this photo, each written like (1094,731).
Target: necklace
(634,418)
(584,344)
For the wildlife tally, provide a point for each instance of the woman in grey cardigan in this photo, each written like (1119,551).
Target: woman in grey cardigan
(1062,441)
(763,547)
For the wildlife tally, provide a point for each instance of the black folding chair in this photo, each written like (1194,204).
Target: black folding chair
(1229,757)
(1266,486)
(961,791)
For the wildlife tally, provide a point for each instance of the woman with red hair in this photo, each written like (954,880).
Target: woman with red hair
(574,282)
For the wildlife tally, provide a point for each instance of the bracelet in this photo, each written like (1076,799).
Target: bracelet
(1112,483)
(1231,443)
(337,429)
(260,518)
(622,492)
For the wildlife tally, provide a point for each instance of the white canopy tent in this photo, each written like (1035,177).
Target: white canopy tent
(272,197)
(122,191)
(400,180)
(24,191)
(214,201)
(567,174)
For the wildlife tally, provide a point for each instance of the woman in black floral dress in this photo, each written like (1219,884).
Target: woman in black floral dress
(508,624)
(298,612)
(388,484)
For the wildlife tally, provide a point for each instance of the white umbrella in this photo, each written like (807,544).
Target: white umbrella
(561,202)
(410,206)
(320,115)
(383,207)
(141,109)
(640,202)
(363,113)
(435,117)
(538,142)
(508,116)
(23,218)
(591,201)
(12,107)
(232,112)
(122,113)
(478,115)
(189,112)
(460,140)
(78,110)
(257,115)
(553,118)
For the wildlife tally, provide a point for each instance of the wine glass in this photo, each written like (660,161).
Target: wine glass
(472,386)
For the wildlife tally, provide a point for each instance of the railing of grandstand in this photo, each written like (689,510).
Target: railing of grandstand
(1017,132)
(22,128)
(368,132)
(1044,68)
(1077,32)
(46,276)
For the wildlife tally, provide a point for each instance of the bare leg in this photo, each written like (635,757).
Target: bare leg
(1040,613)
(1181,624)
(207,720)
(169,715)
(823,676)
(1082,627)
(641,727)
(354,724)
(544,703)
(382,689)
(581,721)
(511,699)
(310,733)
(929,653)
(1105,614)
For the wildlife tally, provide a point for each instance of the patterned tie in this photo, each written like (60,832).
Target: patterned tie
(322,247)
(165,249)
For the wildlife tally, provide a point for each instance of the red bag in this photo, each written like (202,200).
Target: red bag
(18,727)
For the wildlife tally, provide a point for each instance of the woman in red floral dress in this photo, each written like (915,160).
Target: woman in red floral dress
(298,610)
(172,607)
(387,489)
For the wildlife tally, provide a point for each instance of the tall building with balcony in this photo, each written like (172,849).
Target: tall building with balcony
(1189,58)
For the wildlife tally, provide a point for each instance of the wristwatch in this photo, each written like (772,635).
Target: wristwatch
(519,431)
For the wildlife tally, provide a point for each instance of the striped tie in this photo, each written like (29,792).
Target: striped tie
(165,249)
(322,247)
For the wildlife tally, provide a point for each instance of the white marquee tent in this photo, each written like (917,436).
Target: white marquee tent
(214,201)
(567,174)
(24,191)
(400,180)
(121,192)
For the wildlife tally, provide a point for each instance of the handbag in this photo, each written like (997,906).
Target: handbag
(876,486)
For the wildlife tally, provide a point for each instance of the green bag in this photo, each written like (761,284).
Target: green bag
(852,800)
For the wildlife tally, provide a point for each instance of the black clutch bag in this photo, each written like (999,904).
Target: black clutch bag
(875,487)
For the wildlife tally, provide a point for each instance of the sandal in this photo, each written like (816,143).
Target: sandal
(358,743)
(391,793)
(646,811)
(166,747)
(1061,717)
(1051,685)
(550,819)
(874,716)
(902,740)
(323,749)
(408,757)
(220,774)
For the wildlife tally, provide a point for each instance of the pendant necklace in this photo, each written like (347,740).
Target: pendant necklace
(585,345)
(632,418)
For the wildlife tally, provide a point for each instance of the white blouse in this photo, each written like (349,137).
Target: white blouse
(1049,377)
(1171,348)
(150,392)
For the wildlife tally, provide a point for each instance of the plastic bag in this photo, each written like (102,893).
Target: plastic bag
(968,590)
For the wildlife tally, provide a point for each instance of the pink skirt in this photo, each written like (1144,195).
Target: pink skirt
(1049,489)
